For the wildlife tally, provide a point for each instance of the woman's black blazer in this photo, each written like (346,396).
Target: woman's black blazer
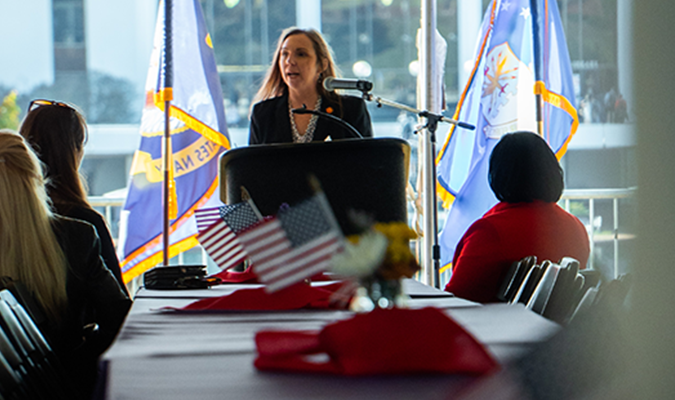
(270,122)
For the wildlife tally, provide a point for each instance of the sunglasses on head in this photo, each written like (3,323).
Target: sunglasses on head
(42,102)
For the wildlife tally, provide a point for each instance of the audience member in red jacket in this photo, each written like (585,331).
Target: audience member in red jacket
(527,179)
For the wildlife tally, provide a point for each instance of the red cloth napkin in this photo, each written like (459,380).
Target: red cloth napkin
(293,297)
(228,276)
(390,341)
(248,276)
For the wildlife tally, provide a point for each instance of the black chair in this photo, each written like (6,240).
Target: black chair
(608,296)
(591,277)
(565,294)
(364,175)
(530,283)
(585,304)
(579,289)
(514,278)
(46,373)
(21,293)
(12,386)
(614,292)
(30,356)
(27,380)
(542,293)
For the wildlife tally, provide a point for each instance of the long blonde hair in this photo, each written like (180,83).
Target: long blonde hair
(273,84)
(29,251)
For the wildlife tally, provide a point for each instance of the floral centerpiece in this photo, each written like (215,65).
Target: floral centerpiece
(378,259)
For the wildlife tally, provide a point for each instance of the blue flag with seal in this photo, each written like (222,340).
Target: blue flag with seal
(521,53)
(198,136)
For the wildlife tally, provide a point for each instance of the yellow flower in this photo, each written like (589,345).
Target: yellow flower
(383,250)
(399,234)
(399,261)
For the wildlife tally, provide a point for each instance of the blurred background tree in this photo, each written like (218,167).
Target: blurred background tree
(9,112)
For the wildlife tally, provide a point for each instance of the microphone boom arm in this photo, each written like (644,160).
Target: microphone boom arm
(425,114)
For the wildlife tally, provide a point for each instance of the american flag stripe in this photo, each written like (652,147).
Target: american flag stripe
(268,244)
(306,261)
(206,217)
(304,255)
(226,248)
(303,271)
(221,244)
(214,232)
(284,271)
(229,262)
(219,239)
(298,276)
(270,259)
(264,240)
(263,229)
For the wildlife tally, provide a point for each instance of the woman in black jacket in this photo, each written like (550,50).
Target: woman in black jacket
(57,132)
(58,260)
(301,62)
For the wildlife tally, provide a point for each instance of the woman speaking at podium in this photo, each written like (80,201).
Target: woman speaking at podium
(301,62)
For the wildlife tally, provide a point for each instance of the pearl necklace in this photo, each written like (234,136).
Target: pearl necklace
(309,132)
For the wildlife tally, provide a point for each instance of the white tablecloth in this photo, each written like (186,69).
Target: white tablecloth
(209,355)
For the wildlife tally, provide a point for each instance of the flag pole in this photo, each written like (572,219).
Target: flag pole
(427,99)
(536,42)
(167,95)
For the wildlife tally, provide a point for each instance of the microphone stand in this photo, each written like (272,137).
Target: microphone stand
(431,125)
(425,114)
(340,121)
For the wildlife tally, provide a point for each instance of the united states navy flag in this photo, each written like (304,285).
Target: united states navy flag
(198,136)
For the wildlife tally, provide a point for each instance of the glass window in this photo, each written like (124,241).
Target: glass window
(68,23)
(382,33)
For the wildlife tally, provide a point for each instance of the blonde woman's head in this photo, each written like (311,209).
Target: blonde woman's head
(21,181)
(30,251)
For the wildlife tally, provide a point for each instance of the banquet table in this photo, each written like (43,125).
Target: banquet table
(166,354)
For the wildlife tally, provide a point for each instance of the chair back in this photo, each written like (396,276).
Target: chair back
(514,278)
(27,379)
(591,278)
(585,304)
(32,331)
(610,295)
(12,386)
(22,295)
(564,295)
(542,293)
(36,361)
(17,335)
(530,283)
(614,292)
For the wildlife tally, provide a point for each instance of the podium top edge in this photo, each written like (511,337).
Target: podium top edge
(333,145)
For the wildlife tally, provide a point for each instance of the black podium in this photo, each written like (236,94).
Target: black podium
(368,175)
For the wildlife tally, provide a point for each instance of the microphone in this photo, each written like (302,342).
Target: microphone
(332,83)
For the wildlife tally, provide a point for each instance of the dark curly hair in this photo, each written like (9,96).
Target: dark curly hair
(523,168)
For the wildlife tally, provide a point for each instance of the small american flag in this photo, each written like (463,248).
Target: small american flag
(296,244)
(219,239)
